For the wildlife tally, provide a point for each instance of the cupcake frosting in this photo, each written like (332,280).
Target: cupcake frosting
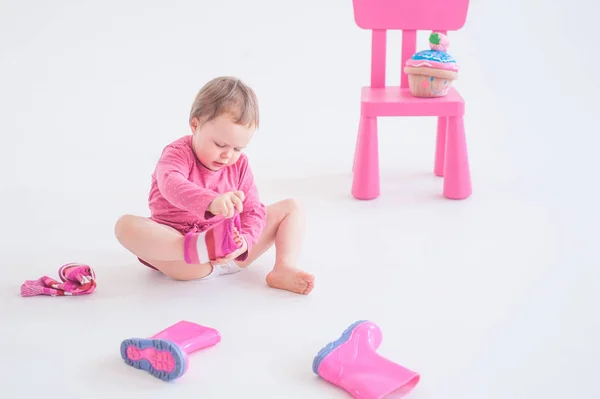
(436,57)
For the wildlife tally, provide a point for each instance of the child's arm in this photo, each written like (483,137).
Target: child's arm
(172,174)
(254,216)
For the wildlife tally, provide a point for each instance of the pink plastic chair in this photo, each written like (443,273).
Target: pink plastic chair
(377,100)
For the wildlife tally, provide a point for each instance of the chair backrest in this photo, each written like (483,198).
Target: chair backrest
(409,16)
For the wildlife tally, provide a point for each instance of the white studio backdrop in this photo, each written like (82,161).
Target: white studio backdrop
(497,294)
(90,92)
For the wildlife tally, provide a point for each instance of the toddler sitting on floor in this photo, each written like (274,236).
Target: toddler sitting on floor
(206,216)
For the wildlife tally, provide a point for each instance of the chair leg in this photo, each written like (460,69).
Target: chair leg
(457,176)
(440,146)
(365,184)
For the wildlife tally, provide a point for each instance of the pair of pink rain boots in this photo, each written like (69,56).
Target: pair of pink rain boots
(353,364)
(165,355)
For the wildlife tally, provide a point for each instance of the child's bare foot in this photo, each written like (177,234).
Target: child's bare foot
(291,279)
(237,237)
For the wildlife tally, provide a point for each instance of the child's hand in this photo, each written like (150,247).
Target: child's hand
(226,204)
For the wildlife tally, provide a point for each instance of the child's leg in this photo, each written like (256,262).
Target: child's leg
(159,245)
(285,229)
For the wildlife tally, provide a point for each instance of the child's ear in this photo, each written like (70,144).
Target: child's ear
(194,125)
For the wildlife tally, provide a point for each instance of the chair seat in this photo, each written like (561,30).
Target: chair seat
(396,101)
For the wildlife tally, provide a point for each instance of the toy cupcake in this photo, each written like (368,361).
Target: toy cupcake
(431,72)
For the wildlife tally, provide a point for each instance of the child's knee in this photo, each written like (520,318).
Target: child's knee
(292,205)
(123,226)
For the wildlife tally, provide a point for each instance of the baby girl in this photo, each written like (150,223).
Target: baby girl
(206,216)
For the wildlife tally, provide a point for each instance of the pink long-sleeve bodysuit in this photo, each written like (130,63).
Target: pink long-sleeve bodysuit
(182,188)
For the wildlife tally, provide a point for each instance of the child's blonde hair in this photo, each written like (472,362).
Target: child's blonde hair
(226,95)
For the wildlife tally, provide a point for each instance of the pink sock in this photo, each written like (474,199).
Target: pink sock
(76,279)
(214,243)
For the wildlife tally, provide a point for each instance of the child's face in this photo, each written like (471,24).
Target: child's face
(220,142)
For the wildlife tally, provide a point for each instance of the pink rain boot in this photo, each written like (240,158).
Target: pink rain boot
(352,363)
(164,355)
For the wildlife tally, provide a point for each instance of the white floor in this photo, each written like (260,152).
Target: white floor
(493,297)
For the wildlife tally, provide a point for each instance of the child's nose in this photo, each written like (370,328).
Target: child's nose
(226,154)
